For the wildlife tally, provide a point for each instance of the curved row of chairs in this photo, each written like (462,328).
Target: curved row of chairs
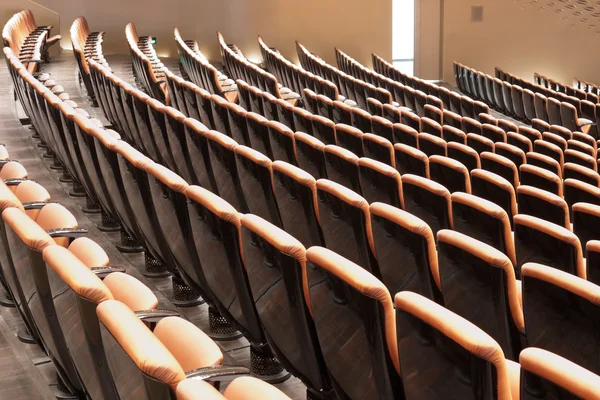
(383,72)
(197,69)
(295,77)
(147,68)
(86,45)
(315,256)
(239,68)
(586,86)
(557,86)
(527,102)
(153,361)
(90,298)
(27,40)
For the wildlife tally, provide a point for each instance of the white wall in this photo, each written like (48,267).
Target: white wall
(357,27)
(521,38)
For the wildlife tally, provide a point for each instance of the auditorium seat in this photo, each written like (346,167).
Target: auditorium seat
(464,154)
(555,139)
(469,272)
(427,200)
(537,240)
(582,147)
(350,138)
(580,192)
(451,134)
(310,154)
(545,162)
(501,166)
(577,157)
(426,364)
(431,145)
(479,143)
(342,167)
(410,160)
(530,133)
(547,373)
(276,267)
(346,224)
(243,388)
(541,179)
(352,308)
(551,150)
(381,127)
(404,134)
(558,305)
(542,204)
(493,187)
(450,173)
(398,237)
(26,240)
(323,129)
(222,262)
(378,148)
(581,173)
(484,221)
(493,133)
(513,153)
(380,183)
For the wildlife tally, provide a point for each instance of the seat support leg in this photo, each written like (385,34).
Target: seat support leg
(264,365)
(183,295)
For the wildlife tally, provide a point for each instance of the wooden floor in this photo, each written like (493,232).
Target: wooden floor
(25,372)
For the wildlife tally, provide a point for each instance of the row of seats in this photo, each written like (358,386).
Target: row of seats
(557,86)
(148,71)
(138,361)
(39,232)
(437,96)
(586,86)
(335,262)
(350,87)
(239,68)
(527,102)
(200,71)
(86,45)
(451,101)
(27,40)
(378,146)
(295,77)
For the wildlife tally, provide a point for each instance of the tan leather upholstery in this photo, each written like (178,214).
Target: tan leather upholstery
(569,282)
(494,258)
(451,163)
(144,349)
(76,274)
(564,373)
(13,170)
(191,347)
(463,332)
(432,187)
(53,216)
(249,388)
(214,203)
(28,191)
(413,224)
(550,198)
(361,280)
(557,232)
(167,177)
(89,252)
(30,233)
(504,163)
(196,389)
(556,167)
(352,198)
(414,153)
(544,174)
(8,198)
(131,292)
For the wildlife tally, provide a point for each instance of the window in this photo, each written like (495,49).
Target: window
(403,35)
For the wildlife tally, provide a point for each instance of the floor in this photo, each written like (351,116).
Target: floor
(25,372)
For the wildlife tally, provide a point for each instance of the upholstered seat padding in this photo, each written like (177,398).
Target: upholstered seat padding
(76,274)
(140,344)
(131,292)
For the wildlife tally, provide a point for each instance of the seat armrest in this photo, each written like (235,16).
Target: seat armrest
(103,272)
(71,233)
(514,377)
(14,182)
(217,373)
(34,205)
(153,316)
